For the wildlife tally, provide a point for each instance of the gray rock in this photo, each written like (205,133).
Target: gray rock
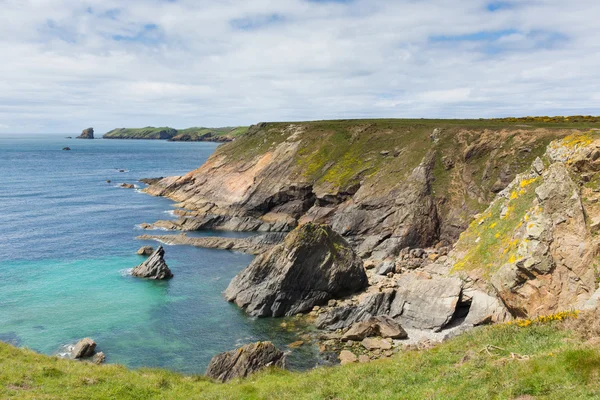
(485,309)
(346,316)
(84,348)
(99,358)
(425,303)
(382,326)
(154,267)
(386,267)
(244,361)
(538,166)
(313,265)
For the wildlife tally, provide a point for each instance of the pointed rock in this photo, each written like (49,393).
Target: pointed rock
(313,265)
(154,267)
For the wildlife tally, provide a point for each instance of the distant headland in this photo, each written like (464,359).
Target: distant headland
(196,134)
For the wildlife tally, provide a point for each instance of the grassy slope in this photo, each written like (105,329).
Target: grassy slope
(556,366)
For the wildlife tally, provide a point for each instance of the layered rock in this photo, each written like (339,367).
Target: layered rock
(381,326)
(534,246)
(87,134)
(252,245)
(145,251)
(383,186)
(154,267)
(244,361)
(312,265)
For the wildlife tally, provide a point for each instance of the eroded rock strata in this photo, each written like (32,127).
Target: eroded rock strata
(154,267)
(244,361)
(313,265)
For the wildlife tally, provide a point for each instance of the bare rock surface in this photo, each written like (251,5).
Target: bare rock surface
(244,361)
(83,349)
(313,265)
(154,267)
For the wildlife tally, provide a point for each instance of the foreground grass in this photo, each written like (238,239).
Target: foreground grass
(503,362)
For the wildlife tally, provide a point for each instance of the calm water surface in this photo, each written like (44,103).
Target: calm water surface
(67,238)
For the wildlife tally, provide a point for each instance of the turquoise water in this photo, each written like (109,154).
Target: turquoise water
(67,238)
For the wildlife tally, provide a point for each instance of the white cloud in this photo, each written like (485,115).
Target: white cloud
(68,64)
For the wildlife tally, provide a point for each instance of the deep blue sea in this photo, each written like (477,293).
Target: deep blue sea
(67,238)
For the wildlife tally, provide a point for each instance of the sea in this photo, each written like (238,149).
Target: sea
(68,242)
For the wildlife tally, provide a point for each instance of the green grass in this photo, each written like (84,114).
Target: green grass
(546,363)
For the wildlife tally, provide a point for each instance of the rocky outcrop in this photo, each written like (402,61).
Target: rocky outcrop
(244,361)
(145,251)
(66,148)
(538,235)
(253,245)
(154,267)
(381,326)
(85,348)
(87,134)
(312,265)
(427,303)
(127,186)
(150,181)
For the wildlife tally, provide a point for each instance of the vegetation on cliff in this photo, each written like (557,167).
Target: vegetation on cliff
(545,360)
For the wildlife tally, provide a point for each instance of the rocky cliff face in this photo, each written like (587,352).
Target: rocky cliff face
(383,185)
(536,246)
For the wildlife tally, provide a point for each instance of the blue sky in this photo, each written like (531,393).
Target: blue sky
(69,64)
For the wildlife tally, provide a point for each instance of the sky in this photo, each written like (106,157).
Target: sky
(71,64)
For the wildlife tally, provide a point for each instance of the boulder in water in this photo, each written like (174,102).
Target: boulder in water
(244,361)
(154,267)
(145,251)
(83,349)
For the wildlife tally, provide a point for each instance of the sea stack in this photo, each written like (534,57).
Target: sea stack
(154,267)
(87,134)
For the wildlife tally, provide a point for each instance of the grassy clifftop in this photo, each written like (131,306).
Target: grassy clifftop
(542,360)
(166,133)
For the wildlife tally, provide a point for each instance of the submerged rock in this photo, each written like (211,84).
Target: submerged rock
(83,349)
(145,251)
(244,361)
(87,134)
(66,148)
(313,265)
(154,267)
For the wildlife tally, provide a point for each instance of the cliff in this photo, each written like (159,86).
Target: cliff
(382,184)
(185,135)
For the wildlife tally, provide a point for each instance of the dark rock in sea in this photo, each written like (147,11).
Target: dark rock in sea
(145,251)
(87,134)
(83,349)
(68,137)
(244,361)
(108,181)
(127,186)
(313,265)
(121,170)
(154,267)
(66,148)
(150,181)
